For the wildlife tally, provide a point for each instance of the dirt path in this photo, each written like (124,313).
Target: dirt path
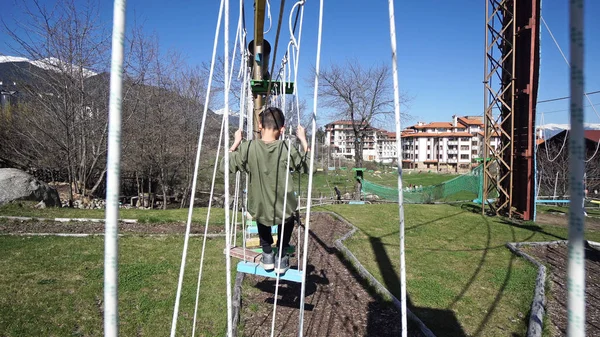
(336,303)
(555,257)
(561,219)
(76,227)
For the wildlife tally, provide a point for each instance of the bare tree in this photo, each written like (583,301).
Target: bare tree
(358,94)
(65,121)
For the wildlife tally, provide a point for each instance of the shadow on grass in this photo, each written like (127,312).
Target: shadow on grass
(530,226)
(440,322)
(444,322)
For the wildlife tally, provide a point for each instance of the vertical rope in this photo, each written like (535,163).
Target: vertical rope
(195,179)
(567,61)
(111,242)
(310,172)
(210,200)
(226,178)
(280,242)
(576,265)
(399,164)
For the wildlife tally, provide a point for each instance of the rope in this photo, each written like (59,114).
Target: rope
(576,264)
(280,253)
(111,242)
(297,57)
(568,64)
(310,173)
(212,191)
(195,179)
(561,148)
(597,146)
(275,48)
(226,178)
(269,16)
(399,163)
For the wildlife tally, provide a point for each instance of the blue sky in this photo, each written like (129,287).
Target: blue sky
(440,45)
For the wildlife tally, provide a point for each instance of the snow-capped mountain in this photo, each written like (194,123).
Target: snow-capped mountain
(234,116)
(222,111)
(50,63)
(551,129)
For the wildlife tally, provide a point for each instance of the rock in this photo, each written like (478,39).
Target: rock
(19,185)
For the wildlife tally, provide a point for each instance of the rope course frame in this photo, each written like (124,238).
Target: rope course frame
(576,272)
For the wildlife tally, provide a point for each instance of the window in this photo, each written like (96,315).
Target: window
(474,143)
(428,147)
(464,156)
(464,139)
(464,147)
(428,156)
(474,152)
(441,156)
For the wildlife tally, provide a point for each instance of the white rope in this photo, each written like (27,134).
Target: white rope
(226,178)
(195,179)
(111,242)
(210,200)
(310,173)
(597,146)
(576,265)
(561,148)
(399,163)
(238,37)
(280,241)
(235,208)
(269,16)
(568,64)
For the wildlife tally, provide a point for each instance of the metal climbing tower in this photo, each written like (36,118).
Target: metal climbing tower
(510,93)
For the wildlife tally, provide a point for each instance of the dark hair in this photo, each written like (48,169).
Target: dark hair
(272,118)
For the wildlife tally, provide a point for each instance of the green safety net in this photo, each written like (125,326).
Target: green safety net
(464,187)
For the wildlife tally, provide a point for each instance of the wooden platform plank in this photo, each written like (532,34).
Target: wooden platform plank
(244,254)
(255,269)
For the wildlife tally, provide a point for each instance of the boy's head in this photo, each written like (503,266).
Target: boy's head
(272,119)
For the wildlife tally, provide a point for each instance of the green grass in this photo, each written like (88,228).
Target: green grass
(323,182)
(217,215)
(592,209)
(461,278)
(52,286)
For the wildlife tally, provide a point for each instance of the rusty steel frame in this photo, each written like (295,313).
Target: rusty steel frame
(511,70)
(497,163)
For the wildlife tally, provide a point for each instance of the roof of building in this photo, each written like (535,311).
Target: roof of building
(438,134)
(470,121)
(342,122)
(433,125)
(593,135)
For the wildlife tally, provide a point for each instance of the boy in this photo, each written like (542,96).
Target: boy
(265,161)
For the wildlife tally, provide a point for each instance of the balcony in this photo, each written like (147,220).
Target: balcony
(453,142)
(452,151)
(452,160)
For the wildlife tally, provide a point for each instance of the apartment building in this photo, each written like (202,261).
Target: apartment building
(445,145)
(438,145)
(379,145)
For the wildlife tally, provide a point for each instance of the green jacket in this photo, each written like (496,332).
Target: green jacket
(266,165)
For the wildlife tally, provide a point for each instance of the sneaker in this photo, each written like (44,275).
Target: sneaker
(268,261)
(281,268)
